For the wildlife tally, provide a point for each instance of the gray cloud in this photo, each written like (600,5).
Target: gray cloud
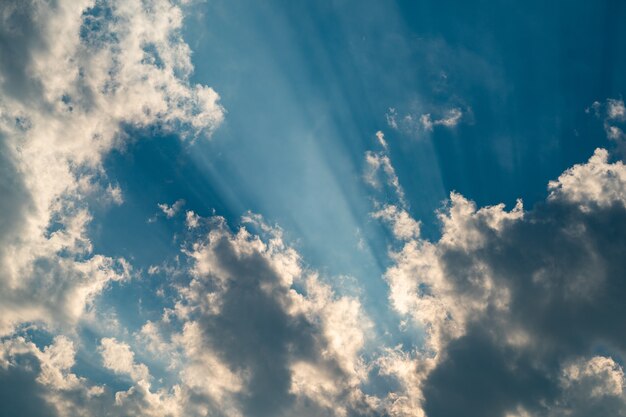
(509,299)
(20,394)
(262,329)
(563,269)
(20,38)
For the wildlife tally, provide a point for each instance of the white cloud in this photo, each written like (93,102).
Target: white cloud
(426,121)
(83,76)
(205,372)
(450,119)
(118,357)
(192,220)
(375,162)
(593,386)
(381,139)
(115,194)
(391,117)
(596,182)
(411,123)
(616,109)
(46,375)
(171,211)
(403,225)
(409,372)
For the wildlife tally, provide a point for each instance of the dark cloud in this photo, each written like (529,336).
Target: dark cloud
(20,37)
(20,394)
(480,377)
(256,335)
(563,269)
(252,332)
(15,201)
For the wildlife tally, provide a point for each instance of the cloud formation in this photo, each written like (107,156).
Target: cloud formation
(520,310)
(252,333)
(516,304)
(76,79)
(281,341)
(75,76)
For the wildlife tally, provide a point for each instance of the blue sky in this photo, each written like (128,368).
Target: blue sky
(306,86)
(232,208)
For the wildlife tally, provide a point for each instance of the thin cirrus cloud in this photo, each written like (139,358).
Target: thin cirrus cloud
(506,312)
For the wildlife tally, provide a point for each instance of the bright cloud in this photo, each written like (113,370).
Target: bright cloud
(87,73)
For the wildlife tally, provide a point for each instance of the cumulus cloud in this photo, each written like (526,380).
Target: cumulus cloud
(381,139)
(74,77)
(41,382)
(46,386)
(515,304)
(276,350)
(192,220)
(252,333)
(596,182)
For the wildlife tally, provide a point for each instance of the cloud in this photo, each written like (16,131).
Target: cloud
(21,394)
(520,310)
(616,109)
(597,182)
(592,386)
(119,358)
(378,167)
(403,225)
(515,304)
(381,139)
(46,386)
(192,220)
(613,115)
(515,307)
(41,382)
(276,350)
(252,333)
(450,119)
(171,211)
(424,122)
(75,76)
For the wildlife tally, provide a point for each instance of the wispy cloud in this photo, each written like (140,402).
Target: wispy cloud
(416,124)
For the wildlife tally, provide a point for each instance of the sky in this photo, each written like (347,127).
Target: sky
(325,208)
